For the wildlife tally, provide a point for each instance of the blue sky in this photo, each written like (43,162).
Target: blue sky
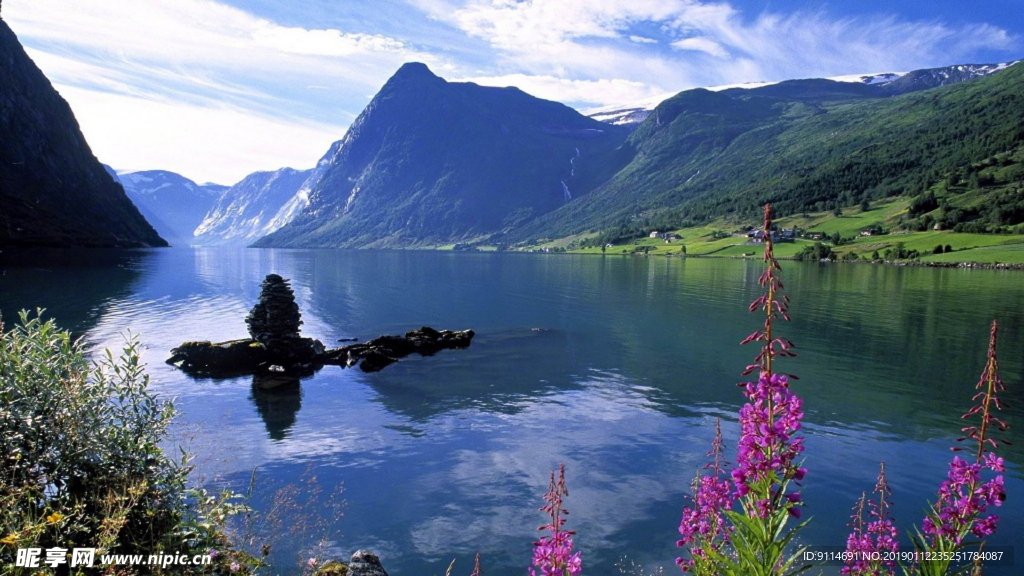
(215,90)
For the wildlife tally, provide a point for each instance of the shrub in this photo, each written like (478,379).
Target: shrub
(80,445)
(817,251)
(82,466)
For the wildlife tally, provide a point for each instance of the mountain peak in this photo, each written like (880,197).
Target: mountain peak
(414,70)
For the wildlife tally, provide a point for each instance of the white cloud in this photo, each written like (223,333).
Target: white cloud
(510,24)
(714,42)
(589,92)
(202,88)
(324,42)
(204,143)
(700,44)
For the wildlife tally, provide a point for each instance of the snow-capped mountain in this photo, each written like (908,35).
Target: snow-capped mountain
(885,84)
(172,203)
(258,205)
(626,114)
(932,77)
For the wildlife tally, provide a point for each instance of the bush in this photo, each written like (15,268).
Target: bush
(82,466)
(817,251)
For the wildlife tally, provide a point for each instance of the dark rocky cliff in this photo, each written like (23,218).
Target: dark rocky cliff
(53,191)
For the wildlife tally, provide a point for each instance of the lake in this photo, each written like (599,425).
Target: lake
(616,366)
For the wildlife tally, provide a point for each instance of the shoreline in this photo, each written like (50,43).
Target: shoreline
(968,265)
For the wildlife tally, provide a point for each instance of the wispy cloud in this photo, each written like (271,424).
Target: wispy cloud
(219,84)
(205,143)
(701,44)
(706,43)
(209,77)
(567,90)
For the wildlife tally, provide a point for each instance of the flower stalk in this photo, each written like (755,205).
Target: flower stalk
(873,544)
(753,540)
(965,497)
(553,554)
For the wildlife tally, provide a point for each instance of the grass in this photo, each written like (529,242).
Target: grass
(851,222)
(701,240)
(1005,253)
(988,248)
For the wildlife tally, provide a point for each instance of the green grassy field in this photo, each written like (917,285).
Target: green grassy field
(1005,253)
(701,241)
(851,222)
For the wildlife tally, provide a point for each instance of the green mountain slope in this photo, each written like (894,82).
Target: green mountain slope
(805,146)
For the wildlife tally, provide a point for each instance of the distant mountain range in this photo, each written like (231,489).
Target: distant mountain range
(883,83)
(805,145)
(258,205)
(190,214)
(173,204)
(53,191)
(431,162)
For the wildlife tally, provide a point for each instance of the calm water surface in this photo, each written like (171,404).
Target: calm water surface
(438,458)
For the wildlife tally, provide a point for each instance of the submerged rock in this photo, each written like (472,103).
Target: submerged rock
(295,356)
(233,356)
(332,568)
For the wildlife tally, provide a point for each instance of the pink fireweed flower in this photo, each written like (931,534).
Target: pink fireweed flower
(964,497)
(476,566)
(768,421)
(703,525)
(876,539)
(553,555)
(767,447)
(766,454)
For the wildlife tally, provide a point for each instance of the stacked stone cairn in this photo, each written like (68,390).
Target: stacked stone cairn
(275,317)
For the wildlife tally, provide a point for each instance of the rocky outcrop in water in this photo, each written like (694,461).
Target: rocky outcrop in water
(363,563)
(278,353)
(375,354)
